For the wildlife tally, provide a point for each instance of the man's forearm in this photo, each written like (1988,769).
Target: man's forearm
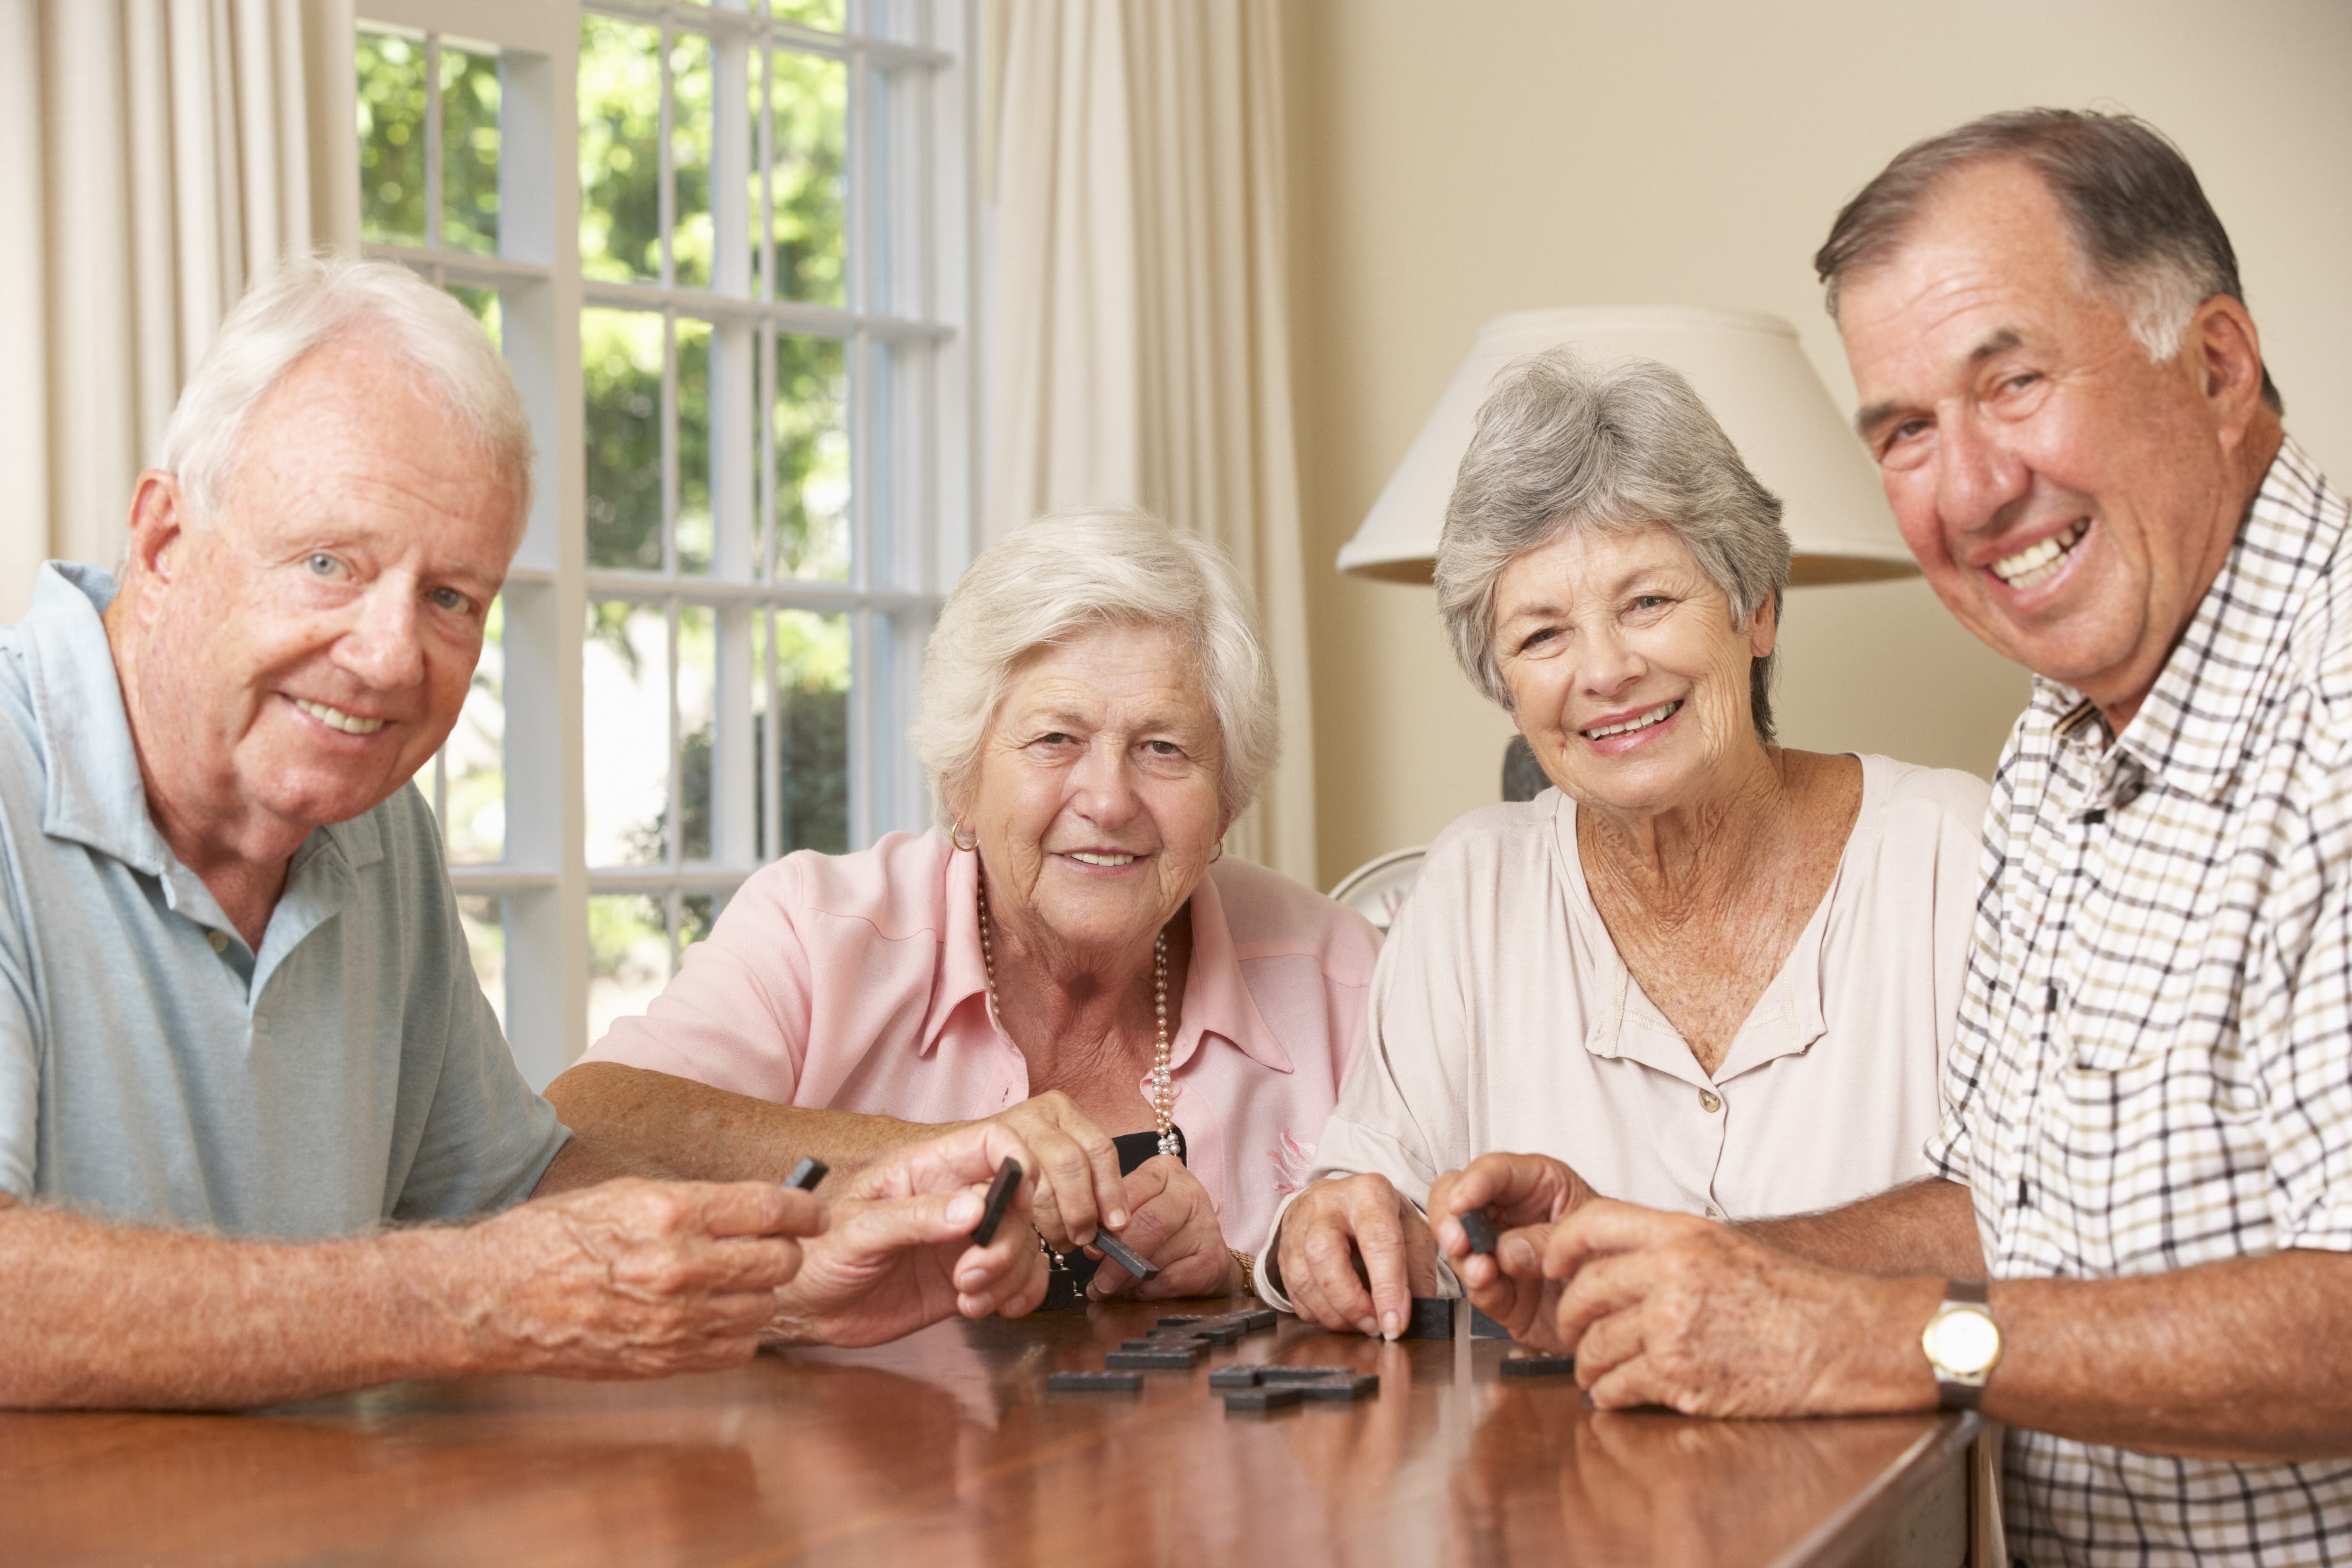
(1925,1227)
(708,1134)
(103,1315)
(2247,1359)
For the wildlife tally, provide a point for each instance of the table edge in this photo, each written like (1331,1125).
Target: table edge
(1838,1540)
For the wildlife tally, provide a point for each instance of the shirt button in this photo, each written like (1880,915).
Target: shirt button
(1713,1212)
(219,939)
(1709,1101)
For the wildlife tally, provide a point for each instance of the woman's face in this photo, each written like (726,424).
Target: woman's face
(1627,675)
(1095,802)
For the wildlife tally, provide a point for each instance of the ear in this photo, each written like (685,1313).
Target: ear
(1764,628)
(159,526)
(2224,352)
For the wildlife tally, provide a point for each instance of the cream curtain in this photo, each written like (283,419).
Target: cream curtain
(1140,331)
(155,156)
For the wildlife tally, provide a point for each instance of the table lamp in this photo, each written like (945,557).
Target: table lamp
(1751,372)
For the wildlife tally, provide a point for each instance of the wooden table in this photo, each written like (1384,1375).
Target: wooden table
(946,1450)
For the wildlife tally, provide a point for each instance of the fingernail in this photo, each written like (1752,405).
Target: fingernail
(1367,1328)
(1391,1326)
(1115,1219)
(964,1208)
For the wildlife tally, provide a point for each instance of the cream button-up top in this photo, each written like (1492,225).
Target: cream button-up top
(1502,1018)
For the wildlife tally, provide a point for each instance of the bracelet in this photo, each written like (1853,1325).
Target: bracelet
(1249,1271)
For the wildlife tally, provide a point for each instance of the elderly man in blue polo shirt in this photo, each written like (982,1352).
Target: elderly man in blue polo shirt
(239,1035)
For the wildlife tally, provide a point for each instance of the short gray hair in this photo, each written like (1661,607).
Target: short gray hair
(2143,231)
(1562,446)
(1072,573)
(308,302)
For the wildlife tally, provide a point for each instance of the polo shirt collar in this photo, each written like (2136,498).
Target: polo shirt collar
(1217,999)
(2190,733)
(95,795)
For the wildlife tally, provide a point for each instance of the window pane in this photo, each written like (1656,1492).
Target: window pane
(697,912)
(811,422)
(628,958)
(812,699)
(697,683)
(484,922)
(620,157)
(693,445)
(392,139)
(809,13)
(690,154)
(469,150)
(473,759)
(620,368)
(625,697)
(482,304)
(808,97)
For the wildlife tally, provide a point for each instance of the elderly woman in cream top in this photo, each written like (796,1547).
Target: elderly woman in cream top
(1706,973)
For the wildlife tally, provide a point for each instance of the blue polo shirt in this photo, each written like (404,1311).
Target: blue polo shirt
(154,1069)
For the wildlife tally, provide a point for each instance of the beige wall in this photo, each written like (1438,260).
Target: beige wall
(1452,161)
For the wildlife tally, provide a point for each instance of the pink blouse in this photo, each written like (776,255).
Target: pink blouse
(853,982)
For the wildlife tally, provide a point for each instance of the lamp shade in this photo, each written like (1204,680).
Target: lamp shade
(1751,374)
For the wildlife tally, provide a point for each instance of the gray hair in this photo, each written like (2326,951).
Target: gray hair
(1563,446)
(310,300)
(2146,236)
(1072,573)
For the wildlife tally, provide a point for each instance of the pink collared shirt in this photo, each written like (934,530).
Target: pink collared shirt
(853,982)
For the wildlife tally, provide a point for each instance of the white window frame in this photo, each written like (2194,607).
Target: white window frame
(544,882)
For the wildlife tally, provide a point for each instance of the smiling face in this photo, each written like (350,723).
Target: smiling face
(1626,674)
(1095,800)
(296,657)
(2069,498)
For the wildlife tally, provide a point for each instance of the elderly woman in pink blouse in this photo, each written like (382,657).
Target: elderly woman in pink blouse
(1071,952)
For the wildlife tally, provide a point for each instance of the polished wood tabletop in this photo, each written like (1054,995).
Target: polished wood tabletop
(946,1449)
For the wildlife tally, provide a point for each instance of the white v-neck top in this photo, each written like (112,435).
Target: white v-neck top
(1503,1018)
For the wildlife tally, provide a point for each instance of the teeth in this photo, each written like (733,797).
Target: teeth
(1657,715)
(336,719)
(2036,562)
(1085,859)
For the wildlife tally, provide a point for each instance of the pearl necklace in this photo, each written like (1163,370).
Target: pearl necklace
(1163,1083)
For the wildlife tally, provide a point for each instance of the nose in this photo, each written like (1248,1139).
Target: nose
(1976,475)
(382,646)
(1611,663)
(1102,789)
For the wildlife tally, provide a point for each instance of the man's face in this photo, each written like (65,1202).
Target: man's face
(304,652)
(2069,500)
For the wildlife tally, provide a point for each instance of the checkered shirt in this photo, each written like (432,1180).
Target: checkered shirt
(2154,1064)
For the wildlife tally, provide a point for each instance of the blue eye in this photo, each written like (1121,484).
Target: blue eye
(452,600)
(323,565)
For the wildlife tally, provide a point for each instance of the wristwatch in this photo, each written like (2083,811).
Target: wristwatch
(1963,1344)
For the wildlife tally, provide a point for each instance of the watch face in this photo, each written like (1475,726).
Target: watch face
(1964,1341)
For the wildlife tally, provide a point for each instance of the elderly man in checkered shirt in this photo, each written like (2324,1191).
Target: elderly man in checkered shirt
(2147,1145)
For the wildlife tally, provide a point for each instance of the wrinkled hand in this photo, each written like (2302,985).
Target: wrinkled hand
(1664,1308)
(1353,1253)
(635,1278)
(899,1254)
(1076,1167)
(1172,1223)
(1527,1194)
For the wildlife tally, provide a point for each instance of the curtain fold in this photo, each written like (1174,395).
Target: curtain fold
(158,156)
(1140,331)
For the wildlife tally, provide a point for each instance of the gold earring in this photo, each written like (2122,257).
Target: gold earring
(1218,853)
(963,838)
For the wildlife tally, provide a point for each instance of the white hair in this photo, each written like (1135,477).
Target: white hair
(1063,577)
(310,300)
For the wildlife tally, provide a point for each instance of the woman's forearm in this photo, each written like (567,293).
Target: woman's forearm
(701,1134)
